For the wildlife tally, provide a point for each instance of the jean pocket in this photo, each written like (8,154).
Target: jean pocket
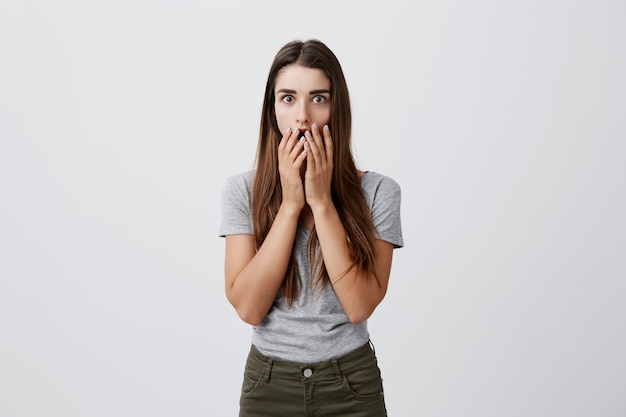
(251,380)
(365,383)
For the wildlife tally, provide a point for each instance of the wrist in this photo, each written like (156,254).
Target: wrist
(322,207)
(290,209)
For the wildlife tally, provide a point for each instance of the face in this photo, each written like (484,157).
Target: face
(302,97)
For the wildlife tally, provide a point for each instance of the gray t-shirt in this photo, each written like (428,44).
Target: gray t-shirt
(315,328)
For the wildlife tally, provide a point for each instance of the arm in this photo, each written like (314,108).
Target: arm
(253,278)
(359,293)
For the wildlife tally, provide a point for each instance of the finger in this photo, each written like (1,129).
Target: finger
(321,141)
(314,148)
(288,137)
(291,141)
(318,136)
(297,163)
(298,148)
(328,143)
(310,159)
(284,138)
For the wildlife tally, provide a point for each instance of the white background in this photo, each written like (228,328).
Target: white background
(502,121)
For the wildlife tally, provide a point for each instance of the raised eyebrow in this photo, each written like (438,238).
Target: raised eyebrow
(286,91)
(316,92)
(313,92)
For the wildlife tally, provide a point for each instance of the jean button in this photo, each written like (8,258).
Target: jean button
(307,373)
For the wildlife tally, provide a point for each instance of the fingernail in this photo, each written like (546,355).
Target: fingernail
(326,128)
(288,130)
(314,125)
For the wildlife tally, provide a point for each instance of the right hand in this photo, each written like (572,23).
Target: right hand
(291,156)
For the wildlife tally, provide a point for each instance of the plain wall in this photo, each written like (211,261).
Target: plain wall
(502,121)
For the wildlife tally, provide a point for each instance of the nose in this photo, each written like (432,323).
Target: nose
(302,113)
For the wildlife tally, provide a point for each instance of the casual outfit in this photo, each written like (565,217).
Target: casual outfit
(308,359)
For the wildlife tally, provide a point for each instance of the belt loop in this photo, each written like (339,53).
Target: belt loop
(268,370)
(337,369)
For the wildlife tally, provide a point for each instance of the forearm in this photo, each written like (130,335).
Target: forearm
(255,287)
(359,292)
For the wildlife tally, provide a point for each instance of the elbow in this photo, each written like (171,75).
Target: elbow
(250,317)
(358,318)
(359,315)
(248,314)
(361,312)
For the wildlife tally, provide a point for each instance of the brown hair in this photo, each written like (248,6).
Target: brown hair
(346,190)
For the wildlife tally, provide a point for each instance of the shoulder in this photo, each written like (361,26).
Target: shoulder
(383,195)
(240,181)
(236,205)
(376,184)
(238,187)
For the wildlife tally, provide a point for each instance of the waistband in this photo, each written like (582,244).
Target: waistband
(321,371)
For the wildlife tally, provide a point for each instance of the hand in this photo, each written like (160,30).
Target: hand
(291,156)
(319,166)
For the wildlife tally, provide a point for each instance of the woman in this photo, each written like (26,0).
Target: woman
(309,242)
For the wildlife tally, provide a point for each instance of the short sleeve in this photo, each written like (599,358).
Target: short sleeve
(236,214)
(384,195)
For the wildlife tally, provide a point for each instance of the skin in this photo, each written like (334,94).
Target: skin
(305,161)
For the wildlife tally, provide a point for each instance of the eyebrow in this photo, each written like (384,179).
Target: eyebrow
(312,92)
(319,92)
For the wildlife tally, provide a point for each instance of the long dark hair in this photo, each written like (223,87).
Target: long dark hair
(346,190)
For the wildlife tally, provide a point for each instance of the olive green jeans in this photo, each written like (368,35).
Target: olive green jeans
(347,386)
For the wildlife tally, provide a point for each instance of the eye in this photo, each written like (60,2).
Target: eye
(287,99)
(319,99)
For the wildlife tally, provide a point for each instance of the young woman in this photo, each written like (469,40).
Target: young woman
(309,242)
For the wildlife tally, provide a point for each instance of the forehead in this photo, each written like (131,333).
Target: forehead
(299,78)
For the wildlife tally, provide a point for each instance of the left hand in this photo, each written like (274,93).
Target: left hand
(319,166)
